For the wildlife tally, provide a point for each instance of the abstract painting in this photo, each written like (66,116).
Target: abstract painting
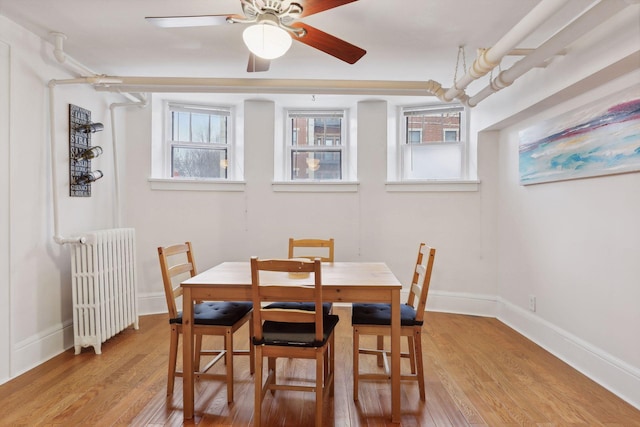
(601,138)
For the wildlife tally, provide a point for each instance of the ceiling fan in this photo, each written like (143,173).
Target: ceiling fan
(274,18)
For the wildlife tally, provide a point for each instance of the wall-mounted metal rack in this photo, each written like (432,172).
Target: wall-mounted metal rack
(81,152)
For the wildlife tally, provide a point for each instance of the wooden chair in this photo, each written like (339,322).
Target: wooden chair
(291,333)
(321,246)
(312,243)
(210,318)
(375,319)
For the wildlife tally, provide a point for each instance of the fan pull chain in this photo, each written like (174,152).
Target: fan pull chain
(461,54)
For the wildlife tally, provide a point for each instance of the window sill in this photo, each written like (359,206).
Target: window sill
(431,186)
(315,187)
(169,184)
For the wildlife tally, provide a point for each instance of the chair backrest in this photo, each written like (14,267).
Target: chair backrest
(281,287)
(421,280)
(312,243)
(175,260)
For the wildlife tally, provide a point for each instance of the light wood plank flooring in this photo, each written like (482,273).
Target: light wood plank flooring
(479,372)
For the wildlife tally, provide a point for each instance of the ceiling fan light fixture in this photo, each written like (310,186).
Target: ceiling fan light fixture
(266,40)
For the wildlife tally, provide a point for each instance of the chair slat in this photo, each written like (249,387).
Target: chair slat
(380,326)
(302,333)
(177,260)
(312,243)
(287,315)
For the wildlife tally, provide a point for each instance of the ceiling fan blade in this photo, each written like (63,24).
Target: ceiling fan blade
(188,21)
(257,64)
(329,44)
(309,7)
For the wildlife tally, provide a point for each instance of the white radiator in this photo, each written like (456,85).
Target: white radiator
(104,286)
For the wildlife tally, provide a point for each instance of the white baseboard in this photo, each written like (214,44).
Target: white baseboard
(152,303)
(35,350)
(462,303)
(615,375)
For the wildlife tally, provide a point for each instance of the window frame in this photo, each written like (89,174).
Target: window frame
(290,148)
(168,143)
(401,175)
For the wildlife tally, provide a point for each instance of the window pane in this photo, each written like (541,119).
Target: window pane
(432,126)
(180,126)
(327,130)
(451,135)
(199,127)
(314,165)
(319,131)
(218,129)
(299,127)
(414,136)
(432,161)
(198,162)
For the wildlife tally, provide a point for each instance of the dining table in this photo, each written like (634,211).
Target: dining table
(342,282)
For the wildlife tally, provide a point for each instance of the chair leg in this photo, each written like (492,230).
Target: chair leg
(356,358)
(196,353)
(228,343)
(252,353)
(332,363)
(319,385)
(417,339)
(257,403)
(412,353)
(326,362)
(380,347)
(173,356)
(271,367)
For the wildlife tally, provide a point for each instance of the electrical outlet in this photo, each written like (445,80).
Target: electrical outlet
(532,302)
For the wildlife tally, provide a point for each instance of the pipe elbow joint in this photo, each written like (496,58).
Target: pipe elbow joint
(60,55)
(435,89)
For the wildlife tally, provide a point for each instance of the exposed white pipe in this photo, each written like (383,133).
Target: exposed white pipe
(88,77)
(63,58)
(490,58)
(252,85)
(580,26)
(116,173)
(54,175)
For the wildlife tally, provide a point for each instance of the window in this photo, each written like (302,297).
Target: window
(198,141)
(432,145)
(315,148)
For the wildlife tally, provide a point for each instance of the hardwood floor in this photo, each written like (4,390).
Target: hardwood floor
(479,372)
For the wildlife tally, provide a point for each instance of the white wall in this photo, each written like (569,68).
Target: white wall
(370,224)
(482,237)
(5,336)
(574,244)
(39,270)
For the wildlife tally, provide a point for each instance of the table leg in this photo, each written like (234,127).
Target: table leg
(187,354)
(395,356)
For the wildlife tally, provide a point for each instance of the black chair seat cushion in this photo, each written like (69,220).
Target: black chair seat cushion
(380,314)
(306,306)
(217,313)
(296,334)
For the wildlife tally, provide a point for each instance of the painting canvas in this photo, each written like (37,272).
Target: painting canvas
(601,138)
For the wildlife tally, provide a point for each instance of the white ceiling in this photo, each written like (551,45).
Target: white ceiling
(412,40)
